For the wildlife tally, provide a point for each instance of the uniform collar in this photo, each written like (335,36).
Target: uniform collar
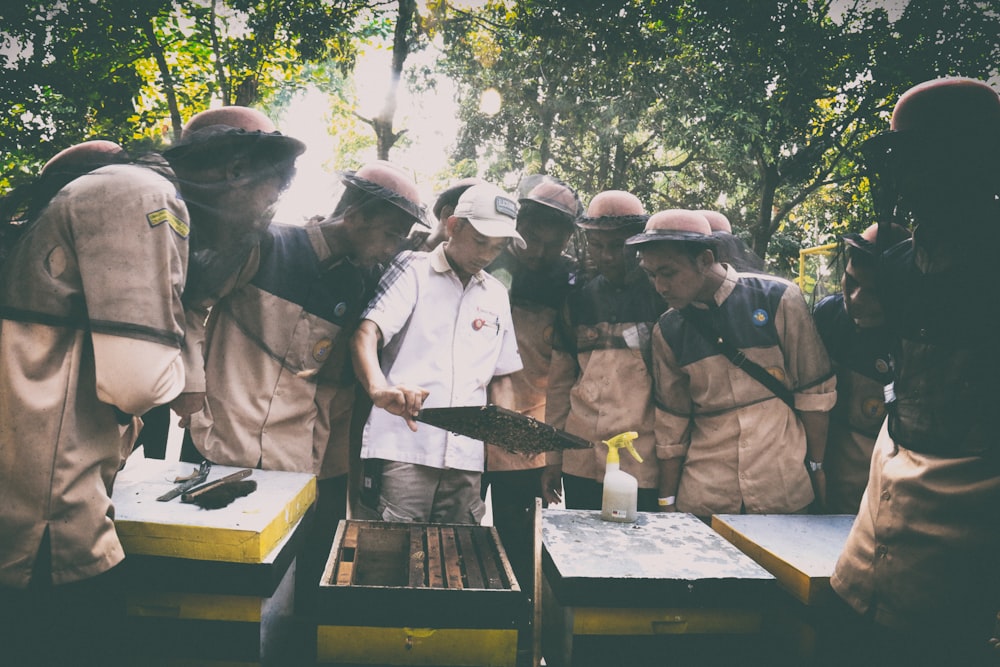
(314,231)
(321,246)
(440,264)
(724,290)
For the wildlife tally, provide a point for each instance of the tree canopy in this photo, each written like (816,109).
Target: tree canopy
(756,109)
(133,70)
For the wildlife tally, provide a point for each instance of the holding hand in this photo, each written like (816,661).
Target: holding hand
(551,483)
(401,400)
(187,404)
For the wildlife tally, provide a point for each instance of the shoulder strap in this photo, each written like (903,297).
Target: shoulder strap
(738,359)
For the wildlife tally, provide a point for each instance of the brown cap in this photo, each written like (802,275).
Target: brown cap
(613,209)
(551,192)
(232,128)
(85,156)
(391,183)
(674,225)
(717,221)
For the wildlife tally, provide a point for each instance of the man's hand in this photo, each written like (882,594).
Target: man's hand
(669,507)
(818,479)
(551,483)
(187,404)
(401,400)
(995,641)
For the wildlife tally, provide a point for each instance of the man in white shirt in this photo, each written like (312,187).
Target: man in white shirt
(444,329)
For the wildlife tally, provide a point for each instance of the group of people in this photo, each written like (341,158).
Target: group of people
(130,284)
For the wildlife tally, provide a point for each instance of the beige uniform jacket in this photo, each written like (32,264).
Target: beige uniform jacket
(925,542)
(535,296)
(600,381)
(922,553)
(91,331)
(861,360)
(279,390)
(744,449)
(849,448)
(533,330)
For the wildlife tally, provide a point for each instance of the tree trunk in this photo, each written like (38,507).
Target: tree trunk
(385,137)
(618,177)
(603,172)
(220,70)
(545,140)
(762,228)
(168,80)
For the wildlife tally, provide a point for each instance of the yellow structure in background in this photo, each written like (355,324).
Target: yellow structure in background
(827,249)
(809,276)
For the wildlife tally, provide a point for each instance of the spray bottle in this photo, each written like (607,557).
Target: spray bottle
(621,490)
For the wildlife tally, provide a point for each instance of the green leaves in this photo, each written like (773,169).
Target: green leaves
(132,70)
(756,108)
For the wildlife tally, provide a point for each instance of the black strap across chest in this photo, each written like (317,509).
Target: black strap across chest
(699,319)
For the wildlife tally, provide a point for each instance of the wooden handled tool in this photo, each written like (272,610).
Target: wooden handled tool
(191,495)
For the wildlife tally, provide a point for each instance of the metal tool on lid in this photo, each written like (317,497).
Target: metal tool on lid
(188,483)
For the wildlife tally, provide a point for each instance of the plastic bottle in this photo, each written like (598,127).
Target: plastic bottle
(621,490)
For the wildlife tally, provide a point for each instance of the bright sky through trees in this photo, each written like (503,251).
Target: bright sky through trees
(429,119)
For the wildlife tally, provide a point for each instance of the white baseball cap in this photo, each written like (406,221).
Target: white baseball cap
(491,211)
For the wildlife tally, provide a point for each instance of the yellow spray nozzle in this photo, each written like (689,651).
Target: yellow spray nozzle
(619,441)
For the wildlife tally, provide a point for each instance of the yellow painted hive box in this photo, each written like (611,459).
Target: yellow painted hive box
(632,593)
(418,594)
(246,531)
(800,550)
(196,612)
(210,586)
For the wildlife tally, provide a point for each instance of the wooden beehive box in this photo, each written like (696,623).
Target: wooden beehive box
(421,594)
(210,587)
(246,531)
(633,593)
(800,550)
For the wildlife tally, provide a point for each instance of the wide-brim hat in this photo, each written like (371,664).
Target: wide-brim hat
(222,139)
(85,156)
(672,226)
(612,222)
(612,210)
(717,220)
(867,241)
(232,129)
(389,183)
(550,192)
(949,114)
(491,211)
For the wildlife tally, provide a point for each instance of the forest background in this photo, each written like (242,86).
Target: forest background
(754,108)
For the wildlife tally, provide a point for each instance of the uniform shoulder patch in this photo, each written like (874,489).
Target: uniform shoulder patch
(160,216)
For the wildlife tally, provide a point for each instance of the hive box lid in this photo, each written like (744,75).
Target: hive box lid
(801,550)
(245,531)
(662,559)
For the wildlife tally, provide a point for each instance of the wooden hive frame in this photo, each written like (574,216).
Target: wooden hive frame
(411,593)
(444,556)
